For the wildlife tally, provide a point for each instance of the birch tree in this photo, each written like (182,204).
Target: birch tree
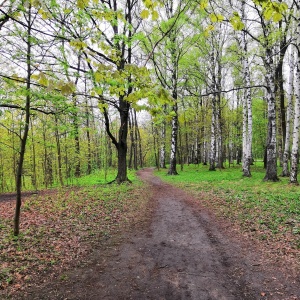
(289,111)
(295,143)
(247,101)
(166,47)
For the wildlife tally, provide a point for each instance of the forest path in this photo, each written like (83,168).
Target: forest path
(184,253)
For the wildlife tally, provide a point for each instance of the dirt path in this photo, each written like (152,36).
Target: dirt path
(183,254)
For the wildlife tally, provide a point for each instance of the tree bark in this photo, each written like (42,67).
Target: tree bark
(286,153)
(162,149)
(295,144)
(122,142)
(271,160)
(23,141)
(58,148)
(247,106)
(174,136)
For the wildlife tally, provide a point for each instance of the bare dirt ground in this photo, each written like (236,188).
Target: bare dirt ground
(180,251)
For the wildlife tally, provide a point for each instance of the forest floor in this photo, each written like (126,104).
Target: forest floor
(179,250)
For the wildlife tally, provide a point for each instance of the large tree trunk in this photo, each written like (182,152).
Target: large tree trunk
(271,160)
(279,89)
(122,141)
(286,153)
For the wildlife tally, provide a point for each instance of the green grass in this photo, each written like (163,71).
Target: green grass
(101,177)
(270,209)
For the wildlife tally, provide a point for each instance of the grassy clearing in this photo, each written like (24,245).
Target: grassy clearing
(61,226)
(267,210)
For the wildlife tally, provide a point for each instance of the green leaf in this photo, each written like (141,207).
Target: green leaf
(155,15)
(236,22)
(213,18)
(148,3)
(277,17)
(203,4)
(145,14)
(268,14)
(82,3)
(216,18)
(67,88)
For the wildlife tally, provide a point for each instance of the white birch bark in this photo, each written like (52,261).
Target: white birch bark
(271,170)
(286,153)
(247,104)
(212,155)
(162,151)
(172,168)
(295,144)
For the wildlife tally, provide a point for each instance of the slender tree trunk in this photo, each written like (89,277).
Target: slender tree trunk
(33,153)
(295,144)
(138,142)
(131,144)
(156,154)
(25,130)
(174,135)
(219,120)
(163,146)
(285,164)
(88,132)
(59,162)
(135,149)
(212,157)
(77,171)
(175,124)
(214,113)
(247,105)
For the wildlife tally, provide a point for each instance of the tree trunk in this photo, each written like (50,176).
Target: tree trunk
(122,142)
(271,160)
(246,103)
(174,135)
(25,130)
(88,134)
(162,149)
(212,156)
(33,153)
(295,145)
(286,153)
(77,171)
(279,91)
(131,150)
(59,162)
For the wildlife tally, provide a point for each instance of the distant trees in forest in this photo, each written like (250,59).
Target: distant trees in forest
(98,84)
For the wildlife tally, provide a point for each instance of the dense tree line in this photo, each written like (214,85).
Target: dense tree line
(98,84)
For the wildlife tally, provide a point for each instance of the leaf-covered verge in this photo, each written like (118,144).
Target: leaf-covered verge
(61,227)
(268,212)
